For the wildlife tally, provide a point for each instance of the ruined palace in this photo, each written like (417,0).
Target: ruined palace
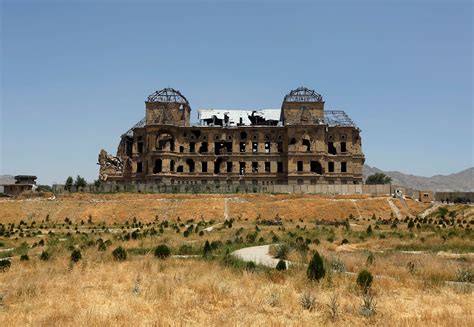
(300,143)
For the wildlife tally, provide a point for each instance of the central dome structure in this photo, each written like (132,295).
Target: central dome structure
(303,94)
(168,95)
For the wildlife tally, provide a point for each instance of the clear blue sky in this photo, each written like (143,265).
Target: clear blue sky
(75,75)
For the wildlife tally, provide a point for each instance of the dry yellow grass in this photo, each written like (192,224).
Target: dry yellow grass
(147,291)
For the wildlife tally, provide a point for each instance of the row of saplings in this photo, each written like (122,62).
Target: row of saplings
(316,271)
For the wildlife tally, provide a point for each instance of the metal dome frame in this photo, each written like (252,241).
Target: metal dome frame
(168,95)
(303,94)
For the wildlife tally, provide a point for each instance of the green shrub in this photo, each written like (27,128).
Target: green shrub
(364,279)
(76,255)
(281,265)
(5,265)
(207,249)
(162,251)
(45,256)
(102,247)
(120,254)
(185,249)
(316,269)
(24,257)
(369,230)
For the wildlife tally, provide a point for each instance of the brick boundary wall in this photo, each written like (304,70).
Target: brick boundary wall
(247,188)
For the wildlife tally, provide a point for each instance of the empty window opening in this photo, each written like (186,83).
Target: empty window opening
(243,135)
(331,167)
(179,169)
(165,142)
(343,167)
(331,148)
(299,182)
(241,168)
(343,147)
(140,147)
(204,166)
(280,147)
(222,147)
(254,182)
(190,163)
(267,167)
(254,167)
(203,148)
(171,165)
(293,141)
(196,133)
(217,166)
(158,166)
(307,144)
(299,165)
(139,167)
(254,146)
(279,167)
(267,147)
(181,149)
(242,146)
(192,147)
(316,167)
(229,166)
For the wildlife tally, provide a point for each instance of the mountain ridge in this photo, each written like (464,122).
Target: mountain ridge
(461,181)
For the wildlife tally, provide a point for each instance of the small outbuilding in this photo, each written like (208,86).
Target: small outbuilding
(425,196)
(22,184)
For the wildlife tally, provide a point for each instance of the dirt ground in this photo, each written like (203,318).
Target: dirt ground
(145,207)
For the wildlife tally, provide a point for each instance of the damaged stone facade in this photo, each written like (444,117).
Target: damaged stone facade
(301,143)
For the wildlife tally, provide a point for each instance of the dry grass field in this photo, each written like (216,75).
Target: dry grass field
(422,264)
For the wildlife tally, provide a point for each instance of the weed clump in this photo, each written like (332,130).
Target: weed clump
(162,251)
(316,269)
(24,257)
(282,251)
(250,266)
(119,254)
(369,305)
(307,300)
(464,276)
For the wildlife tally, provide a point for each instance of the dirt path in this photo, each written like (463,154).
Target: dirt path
(394,208)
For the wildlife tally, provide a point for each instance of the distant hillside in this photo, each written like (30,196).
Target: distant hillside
(7,179)
(461,181)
